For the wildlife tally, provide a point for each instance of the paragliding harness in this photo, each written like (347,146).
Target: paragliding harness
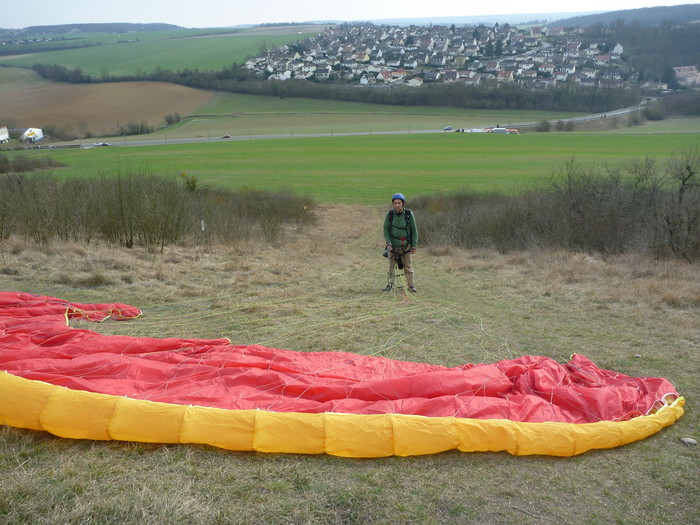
(401,250)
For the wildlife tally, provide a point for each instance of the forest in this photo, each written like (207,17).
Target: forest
(652,51)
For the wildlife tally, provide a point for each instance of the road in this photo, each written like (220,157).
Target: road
(195,140)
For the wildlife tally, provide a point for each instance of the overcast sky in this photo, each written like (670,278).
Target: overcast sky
(225,13)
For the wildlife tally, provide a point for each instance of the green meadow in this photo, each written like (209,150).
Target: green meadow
(20,78)
(96,37)
(669,125)
(363,169)
(249,115)
(168,50)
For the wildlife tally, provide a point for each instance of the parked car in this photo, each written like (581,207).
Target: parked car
(503,131)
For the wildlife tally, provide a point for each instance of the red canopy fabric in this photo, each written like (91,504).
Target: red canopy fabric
(36,343)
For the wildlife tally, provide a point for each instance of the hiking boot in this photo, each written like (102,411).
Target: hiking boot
(412,289)
(387,288)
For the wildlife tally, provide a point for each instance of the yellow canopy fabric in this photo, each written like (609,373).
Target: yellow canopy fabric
(78,414)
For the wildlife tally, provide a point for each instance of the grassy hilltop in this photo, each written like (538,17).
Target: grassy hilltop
(315,287)
(317,290)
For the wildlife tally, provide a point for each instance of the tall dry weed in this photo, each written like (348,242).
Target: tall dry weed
(646,208)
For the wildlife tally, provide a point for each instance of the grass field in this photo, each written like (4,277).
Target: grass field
(670,125)
(319,290)
(169,50)
(96,37)
(365,169)
(248,115)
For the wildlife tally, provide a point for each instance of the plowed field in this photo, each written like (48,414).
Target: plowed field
(27,101)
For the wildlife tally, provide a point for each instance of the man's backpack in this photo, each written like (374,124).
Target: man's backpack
(405,210)
(408,222)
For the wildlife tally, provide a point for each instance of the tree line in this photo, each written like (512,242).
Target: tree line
(237,79)
(649,17)
(653,51)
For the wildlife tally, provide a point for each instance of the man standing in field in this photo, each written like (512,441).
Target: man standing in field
(401,236)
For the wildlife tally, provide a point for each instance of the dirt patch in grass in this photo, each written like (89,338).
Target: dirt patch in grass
(96,108)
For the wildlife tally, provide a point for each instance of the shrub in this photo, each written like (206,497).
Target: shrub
(59,133)
(678,214)
(543,126)
(643,208)
(172,118)
(636,118)
(130,208)
(135,128)
(654,112)
(22,163)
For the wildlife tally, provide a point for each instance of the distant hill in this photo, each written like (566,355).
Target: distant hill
(97,28)
(512,19)
(647,16)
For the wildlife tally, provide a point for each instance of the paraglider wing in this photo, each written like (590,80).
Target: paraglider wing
(81,384)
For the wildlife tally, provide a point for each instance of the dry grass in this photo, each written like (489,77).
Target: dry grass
(319,290)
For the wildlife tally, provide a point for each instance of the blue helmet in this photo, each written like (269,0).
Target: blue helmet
(398,196)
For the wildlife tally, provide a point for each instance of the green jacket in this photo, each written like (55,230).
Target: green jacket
(397,232)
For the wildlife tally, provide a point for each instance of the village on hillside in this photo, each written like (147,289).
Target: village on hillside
(538,57)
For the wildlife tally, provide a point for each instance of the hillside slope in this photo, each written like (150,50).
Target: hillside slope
(29,102)
(646,16)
